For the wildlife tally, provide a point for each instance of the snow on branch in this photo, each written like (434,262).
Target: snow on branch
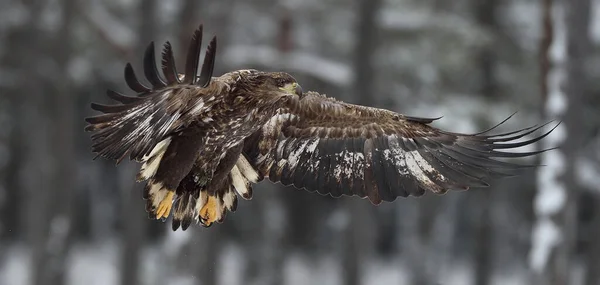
(112,30)
(419,21)
(330,71)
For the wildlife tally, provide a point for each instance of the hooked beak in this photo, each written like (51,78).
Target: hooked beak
(292,88)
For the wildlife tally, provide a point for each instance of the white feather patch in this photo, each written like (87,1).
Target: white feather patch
(220,209)
(229,199)
(152,160)
(246,169)
(238,181)
(417,172)
(157,192)
(198,108)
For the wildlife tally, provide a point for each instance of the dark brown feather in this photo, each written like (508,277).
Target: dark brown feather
(150,69)
(132,81)
(208,65)
(193,56)
(168,65)
(380,154)
(121,98)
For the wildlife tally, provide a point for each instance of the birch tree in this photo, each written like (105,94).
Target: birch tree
(563,49)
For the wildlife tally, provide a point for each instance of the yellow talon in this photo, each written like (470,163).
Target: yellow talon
(164,207)
(208,213)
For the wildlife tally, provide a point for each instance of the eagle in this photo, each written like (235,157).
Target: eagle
(203,141)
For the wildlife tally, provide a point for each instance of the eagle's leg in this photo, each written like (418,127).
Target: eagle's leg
(165,205)
(214,208)
(167,168)
(210,212)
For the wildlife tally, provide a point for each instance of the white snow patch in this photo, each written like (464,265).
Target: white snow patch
(99,264)
(231,261)
(415,20)
(175,240)
(557,102)
(587,173)
(553,199)
(115,29)
(552,195)
(80,69)
(299,270)
(546,236)
(595,22)
(338,220)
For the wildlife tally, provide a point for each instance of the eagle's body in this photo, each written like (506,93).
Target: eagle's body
(224,114)
(204,140)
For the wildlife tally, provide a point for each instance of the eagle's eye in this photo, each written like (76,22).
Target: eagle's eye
(281,82)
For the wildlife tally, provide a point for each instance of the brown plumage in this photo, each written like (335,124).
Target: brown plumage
(324,145)
(203,140)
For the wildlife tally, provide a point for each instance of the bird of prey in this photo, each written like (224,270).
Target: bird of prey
(203,141)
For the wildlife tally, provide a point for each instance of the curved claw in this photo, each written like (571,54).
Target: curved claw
(164,207)
(209,212)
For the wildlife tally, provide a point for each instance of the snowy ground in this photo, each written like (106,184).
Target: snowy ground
(98,265)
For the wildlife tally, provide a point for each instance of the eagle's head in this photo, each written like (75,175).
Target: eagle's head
(276,85)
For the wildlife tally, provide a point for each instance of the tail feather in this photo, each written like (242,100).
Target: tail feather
(191,197)
(183,212)
(247,169)
(240,183)
(187,195)
(230,199)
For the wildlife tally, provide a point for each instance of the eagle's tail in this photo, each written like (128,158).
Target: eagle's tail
(188,195)
(197,204)
(194,203)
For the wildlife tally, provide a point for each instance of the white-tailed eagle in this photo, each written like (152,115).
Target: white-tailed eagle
(203,140)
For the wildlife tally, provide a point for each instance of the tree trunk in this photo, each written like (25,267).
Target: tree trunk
(61,224)
(272,232)
(555,204)
(51,246)
(483,246)
(134,218)
(357,241)
(485,16)
(592,257)
(28,112)
(188,22)
(412,242)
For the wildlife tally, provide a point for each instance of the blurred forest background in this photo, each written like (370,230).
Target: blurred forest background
(65,219)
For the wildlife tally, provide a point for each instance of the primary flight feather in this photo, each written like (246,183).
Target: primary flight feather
(203,141)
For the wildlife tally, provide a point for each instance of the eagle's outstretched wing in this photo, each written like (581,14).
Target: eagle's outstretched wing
(324,145)
(139,123)
(162,127)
